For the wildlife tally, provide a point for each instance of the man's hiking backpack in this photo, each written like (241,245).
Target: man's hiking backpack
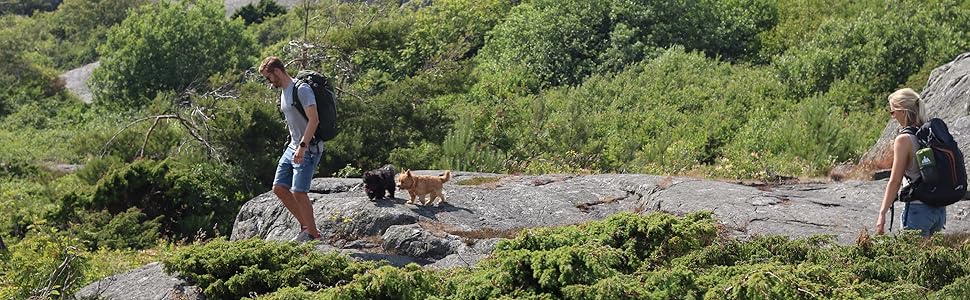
(326,103)
(943,177)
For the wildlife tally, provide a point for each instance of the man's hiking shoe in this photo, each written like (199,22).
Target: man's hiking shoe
(303,237)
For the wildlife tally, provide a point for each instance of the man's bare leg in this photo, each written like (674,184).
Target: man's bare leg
(290,203)
(302,201)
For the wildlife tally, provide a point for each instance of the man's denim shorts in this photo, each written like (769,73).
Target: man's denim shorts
(927,219)
(297,178)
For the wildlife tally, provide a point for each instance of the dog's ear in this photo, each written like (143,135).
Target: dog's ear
(407,173)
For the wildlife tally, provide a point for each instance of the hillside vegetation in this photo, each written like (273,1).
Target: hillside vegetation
(183,129)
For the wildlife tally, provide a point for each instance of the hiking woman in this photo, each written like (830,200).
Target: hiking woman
(906,107)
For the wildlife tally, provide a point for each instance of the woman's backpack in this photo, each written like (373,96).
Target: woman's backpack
(326,104)
(943,176)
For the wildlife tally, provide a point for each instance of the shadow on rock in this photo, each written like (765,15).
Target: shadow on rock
(430,212)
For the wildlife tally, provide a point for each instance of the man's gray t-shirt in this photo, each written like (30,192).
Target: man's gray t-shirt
(295,122)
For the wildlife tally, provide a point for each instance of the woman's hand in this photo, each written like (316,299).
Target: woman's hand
(881,224)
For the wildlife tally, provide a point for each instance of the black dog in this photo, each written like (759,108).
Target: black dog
(379,181)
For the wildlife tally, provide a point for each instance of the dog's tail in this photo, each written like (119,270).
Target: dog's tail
(446,177)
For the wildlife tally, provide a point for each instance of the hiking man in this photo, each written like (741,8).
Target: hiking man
(300,157)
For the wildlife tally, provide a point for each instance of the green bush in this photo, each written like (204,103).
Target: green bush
(417,157)
(250,132)
(625,256)
(23,78)
(232,270)
(400,115)
(44,258)
(624,122)
(24,202)
(461,152)
(258,13)
(27,7)
(563,42)
(411,282)
(880,49)
(190,198)
(168,46)
(769,281)
(130,229)
(79,26)
(452,30)
(556,40)
(957,289)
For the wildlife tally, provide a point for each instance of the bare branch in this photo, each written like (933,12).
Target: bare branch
(210,150)
(141,153)
(192,130)
(104,150)
(59,272)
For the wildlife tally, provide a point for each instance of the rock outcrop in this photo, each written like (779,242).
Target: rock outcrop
(148,282)
(500,205)
(76,81)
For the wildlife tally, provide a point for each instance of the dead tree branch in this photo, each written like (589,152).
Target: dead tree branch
(63,277)
(191,129)
(141,153)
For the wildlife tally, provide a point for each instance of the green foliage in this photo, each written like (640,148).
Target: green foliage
(258,13)
(189,198)
(624,122)
(168,46)
(79,26)
(452,29)
(44,258)
(361,38)
(461,152)
(626,256)
(398,116)
(737,36)
(957,289)
(767,281)
(23,80)
(250,132)
(556,40)
(24,202)
(563,42)
(126,230)
(231,270)
(880,49)
(417,157)
(46,253)
(722,88)
(547,260)
(27,7)
(798,20)
(407,283)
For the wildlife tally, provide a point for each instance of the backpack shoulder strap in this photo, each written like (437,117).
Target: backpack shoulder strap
(296,98)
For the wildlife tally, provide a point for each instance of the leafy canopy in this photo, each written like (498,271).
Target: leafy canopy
(169,46)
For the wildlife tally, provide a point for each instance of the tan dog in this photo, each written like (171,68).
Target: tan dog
(423,185)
